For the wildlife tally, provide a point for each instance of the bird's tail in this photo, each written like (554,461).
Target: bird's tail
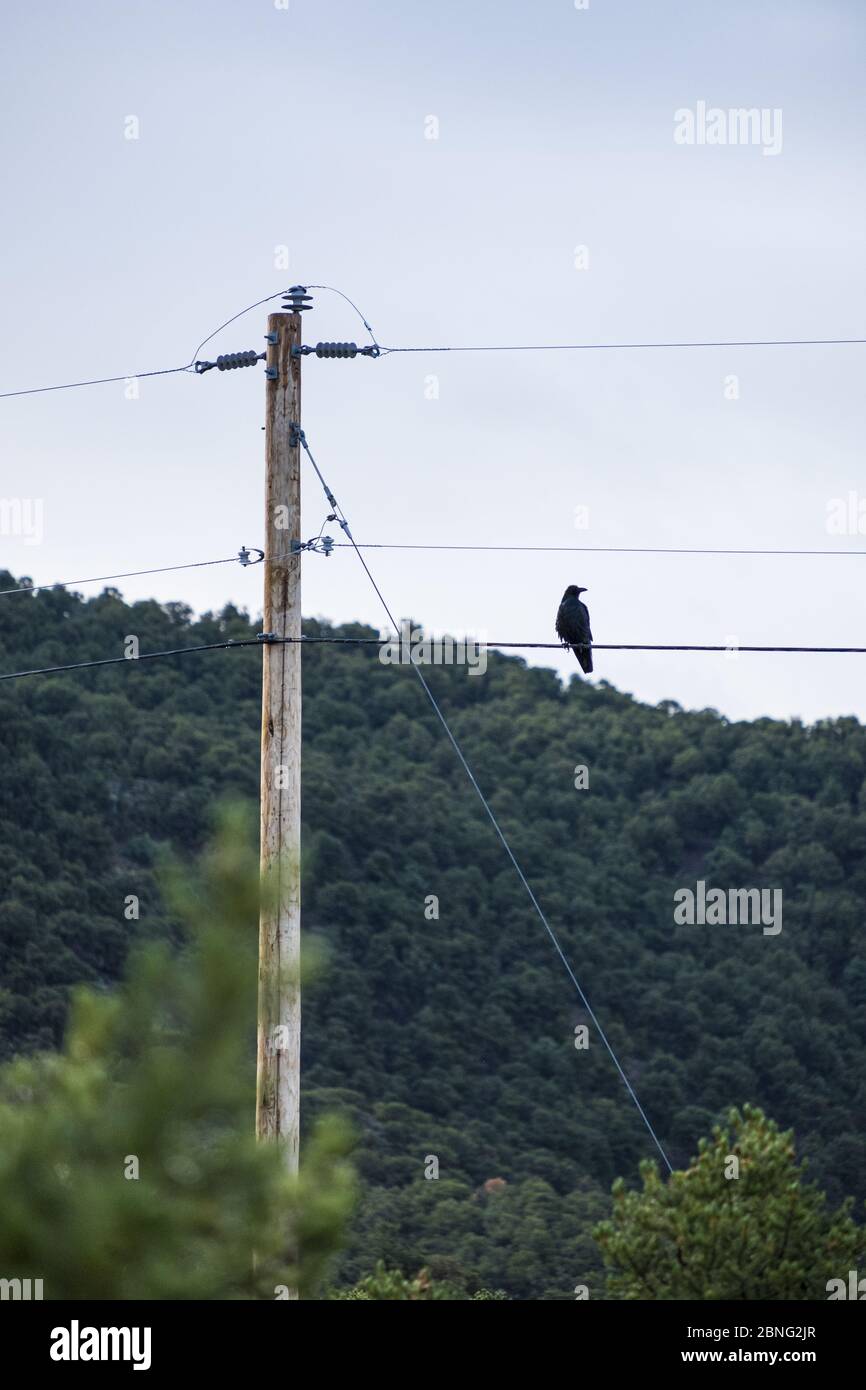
(584,657)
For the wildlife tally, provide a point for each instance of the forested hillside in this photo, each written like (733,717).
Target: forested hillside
(454,1037)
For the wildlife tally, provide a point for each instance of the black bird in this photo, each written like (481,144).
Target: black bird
(572,625)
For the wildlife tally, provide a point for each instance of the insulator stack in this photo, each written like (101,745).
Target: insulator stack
(296,299)
(336,349)
(230,360)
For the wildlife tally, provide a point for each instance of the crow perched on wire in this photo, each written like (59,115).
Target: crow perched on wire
(572,625)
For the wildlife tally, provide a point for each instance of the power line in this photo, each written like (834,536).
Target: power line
(132,661)
(97,381)
(131,574)
(189,366)
(239,315)
(331,289)
(597,549)
(138,376)
(495,823)
(615,347)
(267,638)
(594,646)
(493,347)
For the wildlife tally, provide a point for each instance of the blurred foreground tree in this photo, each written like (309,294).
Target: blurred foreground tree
(720,1229)
(128,1162)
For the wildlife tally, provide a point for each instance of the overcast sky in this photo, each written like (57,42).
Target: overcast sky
(308,128)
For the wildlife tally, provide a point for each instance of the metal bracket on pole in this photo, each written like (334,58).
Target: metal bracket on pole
(320,545)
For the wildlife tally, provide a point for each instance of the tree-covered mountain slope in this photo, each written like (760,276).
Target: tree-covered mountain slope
(450,1038)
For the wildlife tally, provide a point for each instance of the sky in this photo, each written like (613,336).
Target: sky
(468,173)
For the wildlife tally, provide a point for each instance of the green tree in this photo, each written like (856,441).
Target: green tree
(129,1160)
(724,1230)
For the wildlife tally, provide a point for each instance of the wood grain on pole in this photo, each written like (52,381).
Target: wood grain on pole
(279,1012)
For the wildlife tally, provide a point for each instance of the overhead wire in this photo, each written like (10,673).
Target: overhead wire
(96,381)
(596,549)
(127,574)
(396,641)
(137,376)
(493,819)
(619,347)
(267,299)
(593,646)
(130,660)
(489,347)
(332,290)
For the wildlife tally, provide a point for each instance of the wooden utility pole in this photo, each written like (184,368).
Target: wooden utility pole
(279,1011)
